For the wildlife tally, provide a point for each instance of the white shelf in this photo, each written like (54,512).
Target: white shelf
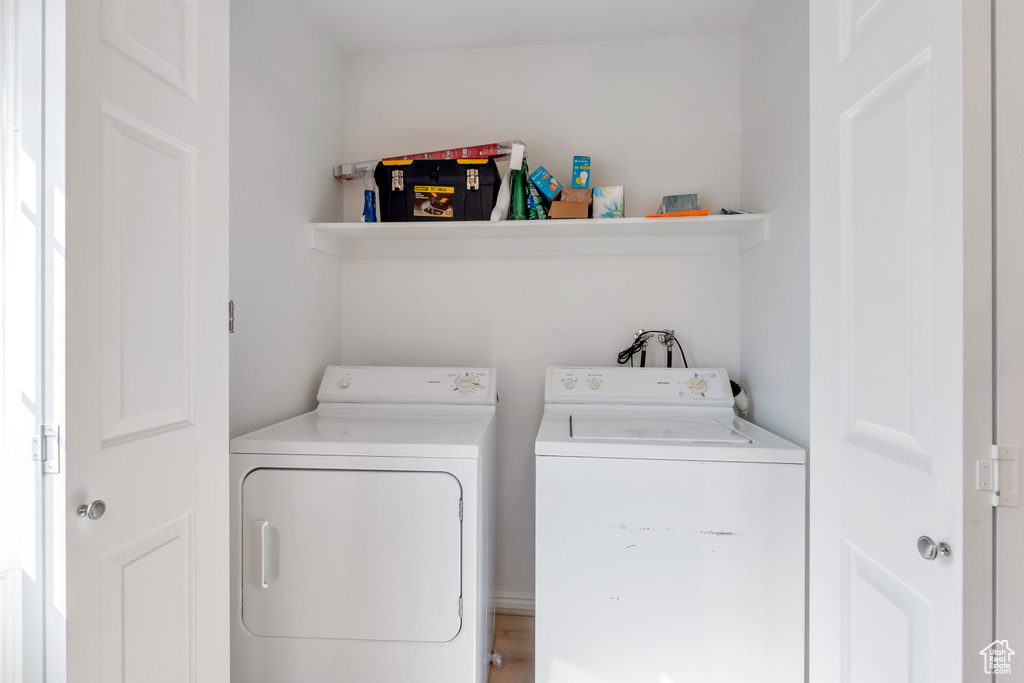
(580,237)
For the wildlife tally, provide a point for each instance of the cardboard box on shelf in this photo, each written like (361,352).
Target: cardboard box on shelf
(576,194)
(569,210)
(609,202)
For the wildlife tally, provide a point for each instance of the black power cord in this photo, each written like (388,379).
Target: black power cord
(639,345)
(681,354)
(626,355)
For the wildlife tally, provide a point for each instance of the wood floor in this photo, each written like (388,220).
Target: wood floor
(514,635)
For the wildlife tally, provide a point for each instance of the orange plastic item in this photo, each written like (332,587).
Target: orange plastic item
(677,214)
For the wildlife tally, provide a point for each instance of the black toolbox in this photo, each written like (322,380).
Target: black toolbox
(437,189)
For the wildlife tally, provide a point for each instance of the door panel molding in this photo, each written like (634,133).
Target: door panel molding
(149,605)
(886,364)
(179,69)
(148,301)
(863,573)
(855,26)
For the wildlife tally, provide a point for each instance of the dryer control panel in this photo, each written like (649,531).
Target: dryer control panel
(701,387)
(363,384)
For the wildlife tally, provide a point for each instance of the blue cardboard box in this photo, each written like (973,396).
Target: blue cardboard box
(580,172)
(546,184)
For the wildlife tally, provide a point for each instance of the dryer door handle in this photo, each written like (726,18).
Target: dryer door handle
(263,569)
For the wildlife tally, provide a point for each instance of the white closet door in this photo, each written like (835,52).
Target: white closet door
(352,554)
(1009,69)
(900,339)
(147,388)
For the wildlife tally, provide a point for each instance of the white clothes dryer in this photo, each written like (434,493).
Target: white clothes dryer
(362,532)
(670,533)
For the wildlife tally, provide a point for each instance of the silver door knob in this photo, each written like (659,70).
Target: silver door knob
(93,510)
(929,549)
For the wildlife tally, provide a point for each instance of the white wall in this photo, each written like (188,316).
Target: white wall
(521,315)
(775,329)
(286,134)
(658,116)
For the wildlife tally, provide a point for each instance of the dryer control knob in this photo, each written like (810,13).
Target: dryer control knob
(466,384)
(594,384)
(570,383)
(697,385)
(344,383)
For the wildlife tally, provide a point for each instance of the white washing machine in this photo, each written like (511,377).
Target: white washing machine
(363,532)
(670,533)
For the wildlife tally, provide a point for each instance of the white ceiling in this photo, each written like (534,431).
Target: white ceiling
(388,26)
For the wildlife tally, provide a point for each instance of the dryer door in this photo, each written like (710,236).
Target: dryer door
(352,554)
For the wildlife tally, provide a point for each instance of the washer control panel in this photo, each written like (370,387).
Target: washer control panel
(362,384)
(706,387)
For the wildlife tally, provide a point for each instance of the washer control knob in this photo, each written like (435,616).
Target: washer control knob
(466,384)
(344,383)
(594,384)
(570,383)
(697,385)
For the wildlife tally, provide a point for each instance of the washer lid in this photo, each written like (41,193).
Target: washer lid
(652,433)
(683,429)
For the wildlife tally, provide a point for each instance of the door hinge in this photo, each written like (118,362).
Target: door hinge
(231,317)
(46,448)
(1001,476)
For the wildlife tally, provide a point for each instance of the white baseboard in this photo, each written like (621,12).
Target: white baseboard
(518,604)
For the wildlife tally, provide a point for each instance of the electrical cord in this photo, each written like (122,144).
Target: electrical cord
(626,355)
(639,345)
(681,354)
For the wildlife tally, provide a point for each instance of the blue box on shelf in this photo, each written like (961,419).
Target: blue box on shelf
(546,184)
(581,172)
